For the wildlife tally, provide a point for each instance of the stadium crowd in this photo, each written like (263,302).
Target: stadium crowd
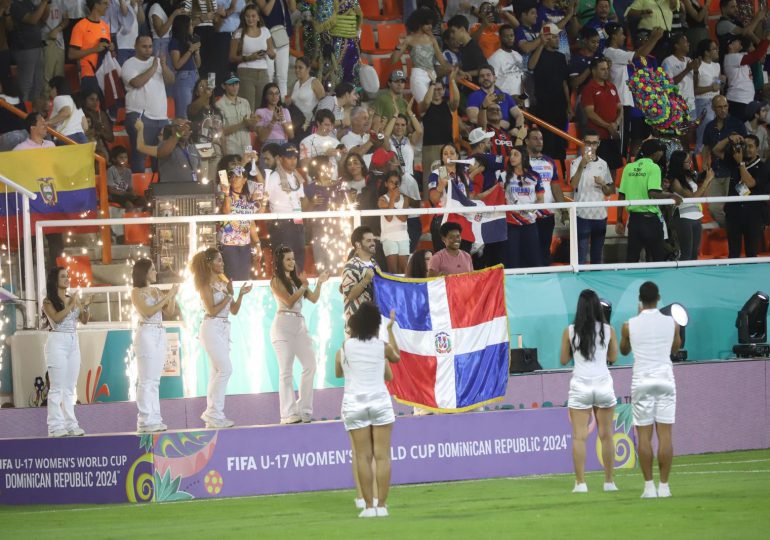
(189,88)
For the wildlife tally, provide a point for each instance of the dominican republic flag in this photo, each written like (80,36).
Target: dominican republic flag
(453,335)
(478,228)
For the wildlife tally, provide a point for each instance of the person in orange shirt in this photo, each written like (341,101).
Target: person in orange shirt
(90,38)
(486,31)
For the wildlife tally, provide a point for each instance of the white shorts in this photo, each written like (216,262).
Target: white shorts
(395,247)
(367,410)
(653,399)
(589,393)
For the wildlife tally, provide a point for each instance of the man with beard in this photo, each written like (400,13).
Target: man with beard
(508,63)
(512,118)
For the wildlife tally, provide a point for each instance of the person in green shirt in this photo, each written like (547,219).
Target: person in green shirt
(390,102)
(642,180)
(586,10)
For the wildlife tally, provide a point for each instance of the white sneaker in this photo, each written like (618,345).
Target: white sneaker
(382,511)
(649,493)
(360,503)
(306,418)
(610,486)
(162,426)
(154,428)
(291,420)
(57,433)
(580,488)
(664,490)
(368,513)
(219,424)
(76,432)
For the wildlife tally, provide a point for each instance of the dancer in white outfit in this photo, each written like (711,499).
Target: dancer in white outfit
(290,336)
(150,305)
(367,410)
(217,296)
(653,337)
(592,343)
(62,352)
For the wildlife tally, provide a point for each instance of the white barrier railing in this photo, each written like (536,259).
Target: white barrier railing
(356,215)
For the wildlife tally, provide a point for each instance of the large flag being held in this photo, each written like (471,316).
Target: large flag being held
(62,177)
(453,335)
(478,228)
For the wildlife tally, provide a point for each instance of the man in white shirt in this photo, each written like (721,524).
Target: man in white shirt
(680,68)
(653,337)
(320,143)
(357,139)
(508,63)
(145,78)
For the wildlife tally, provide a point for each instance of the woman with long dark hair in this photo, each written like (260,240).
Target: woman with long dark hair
(393,230)
(150,304)
(162,14)
(685,181)
(219,301)
(274,125)
(438,183)
(522,186)
(305,94)
(418,264)
(592,343)
(367,410)
(252,48)
(61,313)
(185,51)
(290,336)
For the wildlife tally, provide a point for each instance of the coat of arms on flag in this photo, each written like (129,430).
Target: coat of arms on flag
(453,335)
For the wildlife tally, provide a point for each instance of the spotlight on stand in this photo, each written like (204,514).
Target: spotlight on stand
(680,316)
(607,309)
(752,328)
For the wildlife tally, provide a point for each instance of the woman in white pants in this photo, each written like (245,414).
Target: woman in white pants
(150,305)
(290,336)
(62,352)
(216,292)
(592,343)
(367,411)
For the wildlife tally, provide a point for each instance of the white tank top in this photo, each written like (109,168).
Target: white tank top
(597,367)
(218,294)
(252,45)
(150,300)
(363,364)
(651,334)
(395,229)
(304,98)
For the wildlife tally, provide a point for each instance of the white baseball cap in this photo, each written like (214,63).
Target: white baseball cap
(478,135)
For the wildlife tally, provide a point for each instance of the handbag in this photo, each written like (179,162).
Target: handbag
(280,36)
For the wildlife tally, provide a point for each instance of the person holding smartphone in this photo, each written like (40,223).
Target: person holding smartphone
(250,48)
(185,51)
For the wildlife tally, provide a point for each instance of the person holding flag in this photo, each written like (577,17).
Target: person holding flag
(522,186)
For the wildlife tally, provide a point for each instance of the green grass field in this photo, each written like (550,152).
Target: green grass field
(714,496)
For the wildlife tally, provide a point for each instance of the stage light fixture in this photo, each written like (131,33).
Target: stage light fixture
(752,327)
(607,309)
(678,312)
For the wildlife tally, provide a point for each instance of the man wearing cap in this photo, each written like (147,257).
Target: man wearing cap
(512,118)
(755,114)
(642,180)
(145,78)
(320,143)
(238,118)
(390,102)
(344,98)
(286,194)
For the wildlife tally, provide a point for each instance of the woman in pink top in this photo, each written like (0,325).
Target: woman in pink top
(274,121)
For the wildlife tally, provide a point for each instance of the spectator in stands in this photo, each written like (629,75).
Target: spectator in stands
(548,12)
(438,182)
(685,183)
(286,194)
(279,13)
(603,109)
(403,143)
(740,85)
(451,259)
(162,14)
(527,32)
(238,240)
(451,54)
(681,69)
(602,17)
(185,51)
(178,159)
(743,220)
(423,49)
(53,39)
(145,78)
(306,94)
(340,103)
(238,116)
(66,117)
(358,139)
(99,123)
(580,63)
(592,181)
(501,142)
(418,264)
(471,55)
(353,177)
(755,115)
(393,229)
(326,192)
(545,167)
(522,186)
(125,18)
(437,122)
(696,19)
(120,188)
(709,82)
(512,118)
(205,15)
(320,143)
(274,121)
(715,140)
(26,44)
(229,21)
(390,102)
(508,64)
(553,95)
(642,180)
(655,14)
(730,25)
(90,38)
(252,49)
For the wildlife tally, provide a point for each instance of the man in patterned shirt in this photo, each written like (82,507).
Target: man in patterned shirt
(356,284)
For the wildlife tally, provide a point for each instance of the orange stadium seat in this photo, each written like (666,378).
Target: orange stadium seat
(79,268)
(372,12)
(140,182)
(137,234)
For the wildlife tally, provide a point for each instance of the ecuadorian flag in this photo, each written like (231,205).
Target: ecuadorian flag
(62,177)
(453,335)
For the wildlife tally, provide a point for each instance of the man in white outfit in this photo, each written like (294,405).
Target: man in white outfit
(653,337)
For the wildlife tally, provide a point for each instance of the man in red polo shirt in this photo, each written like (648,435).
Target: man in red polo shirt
(602,106)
